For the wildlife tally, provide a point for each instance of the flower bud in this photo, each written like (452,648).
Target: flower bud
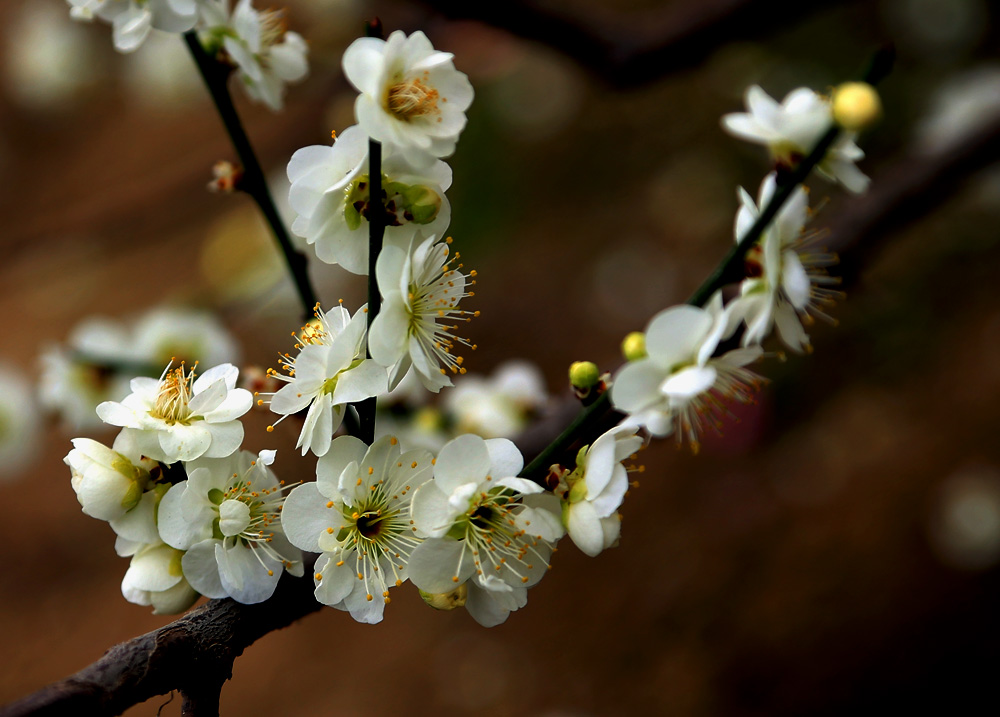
(419,204)
(856,106)
(107,484)
(447,601)
(634,346)
(584,374)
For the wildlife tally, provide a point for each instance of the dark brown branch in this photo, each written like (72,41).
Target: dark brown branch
(195,654)
(631,50)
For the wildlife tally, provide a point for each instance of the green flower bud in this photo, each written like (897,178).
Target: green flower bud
(420,204)
(634,346)
(584,374)
(447,601)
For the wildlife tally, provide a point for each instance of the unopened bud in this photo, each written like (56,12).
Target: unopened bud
(226,177)
(584,374)
(634,346)
(420,204)
(856,106)
(449,600)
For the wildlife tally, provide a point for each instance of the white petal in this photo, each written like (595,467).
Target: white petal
(505,458)
(584,527)
(432,512)
(462,460)
(439,565)
(202,570)
(243,576)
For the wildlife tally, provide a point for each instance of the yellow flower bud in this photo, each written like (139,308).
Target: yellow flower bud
(634,346)
(856,106)
(584,374)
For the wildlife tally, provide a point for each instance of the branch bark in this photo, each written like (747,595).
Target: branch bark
(194,654)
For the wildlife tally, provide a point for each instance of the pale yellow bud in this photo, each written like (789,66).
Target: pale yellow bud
(856,106)
(634,346)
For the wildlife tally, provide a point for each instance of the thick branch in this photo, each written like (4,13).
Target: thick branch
(193,654)
(631,50)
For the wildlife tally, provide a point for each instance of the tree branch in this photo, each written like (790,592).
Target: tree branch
(216,77)
(193,654)
(642,47)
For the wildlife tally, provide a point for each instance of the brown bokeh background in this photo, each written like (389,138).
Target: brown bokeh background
(835,552)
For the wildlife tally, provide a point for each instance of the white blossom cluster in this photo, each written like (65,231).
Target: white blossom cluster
(257,44)
(441,496)
(195,514)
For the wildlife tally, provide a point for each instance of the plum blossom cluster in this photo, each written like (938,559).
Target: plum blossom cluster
(196,515)
(256,44)
(435,494)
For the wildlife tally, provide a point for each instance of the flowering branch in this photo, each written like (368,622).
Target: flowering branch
(731,269)
(216,76)
(167,658)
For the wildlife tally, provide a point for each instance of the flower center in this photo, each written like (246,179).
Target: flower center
(330,385)
(412,98)
(175,393)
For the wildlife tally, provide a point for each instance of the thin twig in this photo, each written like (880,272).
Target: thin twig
(216,77)
(730,270)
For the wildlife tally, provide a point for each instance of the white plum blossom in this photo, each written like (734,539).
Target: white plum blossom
(227,517)
(132,20)
(266,54)
(421,293)
(412,97)
(484,525)
(594,491)
(357,515)
(155,577)
(787,282)
(499,406)
(178,334)
(180,418)
(330,195)
(792,129)
(78,377)
(329,372)
(19,422)
(109,482)
(677,385)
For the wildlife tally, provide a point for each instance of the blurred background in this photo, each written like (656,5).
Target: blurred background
(836,551)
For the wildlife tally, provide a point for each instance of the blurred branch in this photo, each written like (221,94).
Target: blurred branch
(907,190)
(627,50)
